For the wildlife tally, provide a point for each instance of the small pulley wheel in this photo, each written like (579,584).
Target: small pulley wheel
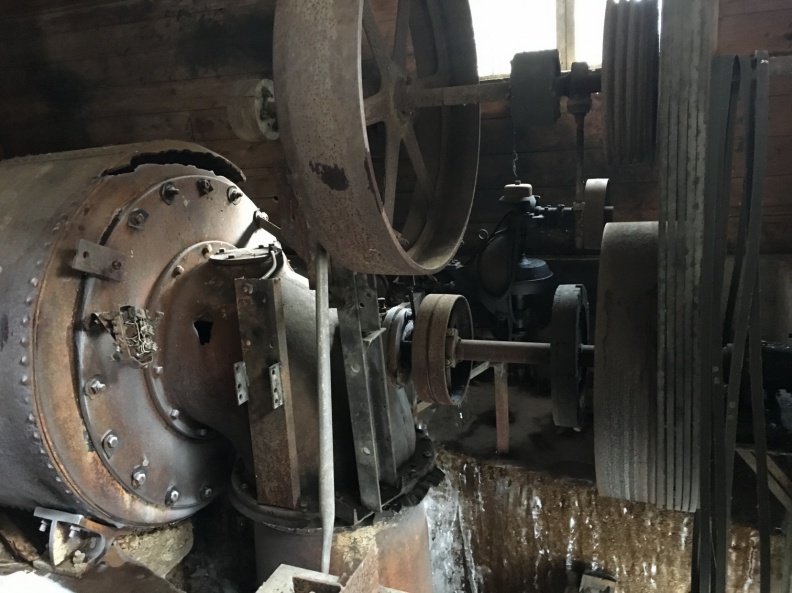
(570,330)
(384,174)
(438,379)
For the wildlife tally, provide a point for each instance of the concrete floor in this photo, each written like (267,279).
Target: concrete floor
(536,443)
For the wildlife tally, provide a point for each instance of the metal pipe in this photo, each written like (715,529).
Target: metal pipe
(487,92)
(514,352)
(326,470)
(502,408)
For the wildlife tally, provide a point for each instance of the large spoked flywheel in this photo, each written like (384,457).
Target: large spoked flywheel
(386,184)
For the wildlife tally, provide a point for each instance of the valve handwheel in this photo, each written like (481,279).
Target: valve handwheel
(386,185)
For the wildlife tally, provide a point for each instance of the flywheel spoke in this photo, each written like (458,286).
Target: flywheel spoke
(417,160)
(402,31)
(376,108)
(392,149)
(377,42)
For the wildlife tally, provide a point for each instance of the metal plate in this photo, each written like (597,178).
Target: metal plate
(97,260)
(161,434)
(344,151)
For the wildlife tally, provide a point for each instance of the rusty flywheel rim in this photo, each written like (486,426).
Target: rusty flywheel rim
(386,186)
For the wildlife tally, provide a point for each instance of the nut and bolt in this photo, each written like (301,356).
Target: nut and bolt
(138,478)
(178,270)
(111,441)
(138,218)
(204,187)
(207,250)
(94,387)
(172,496)
(175,414)
(116,264)
(260,217)
(207,492)
(234,195)
(168,193)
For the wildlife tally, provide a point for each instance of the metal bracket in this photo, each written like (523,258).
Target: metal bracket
(98,260)
(242,383)
(276,386)
(75,536)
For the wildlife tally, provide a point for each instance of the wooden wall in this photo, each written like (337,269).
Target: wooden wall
(745,26)
(97,72)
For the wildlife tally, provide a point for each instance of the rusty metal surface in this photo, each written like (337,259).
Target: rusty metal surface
(399,542)
(348,197)
(51,202)
(495,527)
(273,430)
(437,379)
(99,261)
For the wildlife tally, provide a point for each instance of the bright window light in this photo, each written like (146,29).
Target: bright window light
(589,24)
(507,27)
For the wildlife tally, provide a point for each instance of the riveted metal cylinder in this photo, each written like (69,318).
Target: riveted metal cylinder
(107,355)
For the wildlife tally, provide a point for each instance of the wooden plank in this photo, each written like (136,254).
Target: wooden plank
(221,55)
(749,7)
(44,17)
(131,38)
(744,34)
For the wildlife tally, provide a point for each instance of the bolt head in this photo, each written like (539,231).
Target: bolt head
(178,270)
(116,264)
(207,492)
(138,478)
(234,195)
(168,192)
(95,386)
(366,450)
(207,250)
(111,441)
(175,414)
(247,289)
(204,187)
(172,496)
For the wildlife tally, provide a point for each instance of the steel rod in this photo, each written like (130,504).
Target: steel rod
(326,470)
(514,352)
(488,92)
(502,407)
